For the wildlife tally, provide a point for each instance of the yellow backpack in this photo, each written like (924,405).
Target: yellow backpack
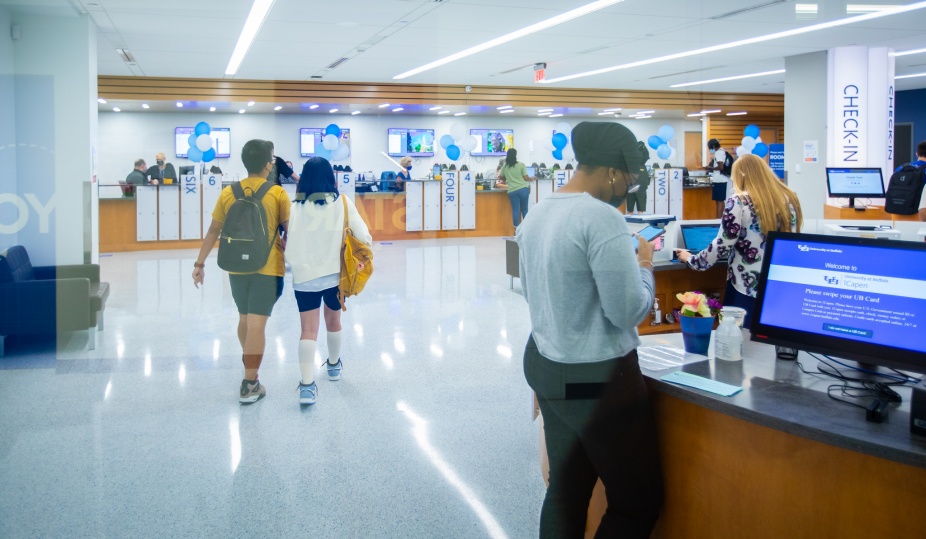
(356,264)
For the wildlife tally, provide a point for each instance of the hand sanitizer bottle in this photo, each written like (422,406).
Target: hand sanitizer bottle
(728,340)
(657,314)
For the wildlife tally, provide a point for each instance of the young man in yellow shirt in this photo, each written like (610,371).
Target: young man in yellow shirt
(254,293)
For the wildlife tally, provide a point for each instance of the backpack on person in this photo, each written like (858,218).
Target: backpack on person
(904,190)
(356,264)
(244,246)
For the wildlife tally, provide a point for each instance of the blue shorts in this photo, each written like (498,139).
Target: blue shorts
(309,301)
(719,192)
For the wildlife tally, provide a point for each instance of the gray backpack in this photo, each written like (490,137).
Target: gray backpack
(244,246)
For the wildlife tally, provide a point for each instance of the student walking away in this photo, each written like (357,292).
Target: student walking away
(720,166)
(905,193)
(577,256)
(162,170)
(636,202)
(515,175)
(313,251)
(761,202)
(247,212)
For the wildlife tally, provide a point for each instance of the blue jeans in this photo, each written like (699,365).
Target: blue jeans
(519,204)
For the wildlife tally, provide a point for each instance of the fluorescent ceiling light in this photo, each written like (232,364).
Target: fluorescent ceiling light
(313,107)
(554,116)
(211,109)
(259,11)
(696,114)
(144,105)
(398,109)
(435,108)
(736,113)
(907,53)
(724,79)
(544,110)
(332,110)
(241,111)
(459,114)
(544,113)
(749,41)
(867,8)
(503,107)
(517,34)
(910,76)
(712,111)
(278,107)
(179,105)
(251,103)
(806,9)
(444,112)
(612,110)
(506,111)
(117,109)
(646,112)
(643,117)
(101,101)
(605,114)
(356,112)
(384,105)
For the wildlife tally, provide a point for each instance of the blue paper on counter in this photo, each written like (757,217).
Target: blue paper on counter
(699,382)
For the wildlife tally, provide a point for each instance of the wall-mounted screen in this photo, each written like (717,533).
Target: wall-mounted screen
(494,142)
(411,142)
(221,141)
(310,138)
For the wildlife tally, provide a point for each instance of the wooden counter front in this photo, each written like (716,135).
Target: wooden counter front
(697,204)
(873,213)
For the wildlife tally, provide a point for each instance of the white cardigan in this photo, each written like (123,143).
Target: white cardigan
(314,237)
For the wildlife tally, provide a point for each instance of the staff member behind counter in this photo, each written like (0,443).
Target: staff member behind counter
(162,170)
(404,174)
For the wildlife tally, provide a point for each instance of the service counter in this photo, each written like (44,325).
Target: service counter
(780,458)
(871,213)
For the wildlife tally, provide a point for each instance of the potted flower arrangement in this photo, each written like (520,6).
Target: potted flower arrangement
(697,320)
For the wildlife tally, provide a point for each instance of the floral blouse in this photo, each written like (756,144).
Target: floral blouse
(740,243)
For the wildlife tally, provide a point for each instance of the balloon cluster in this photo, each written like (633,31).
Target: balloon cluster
(561,146)
(752,142)
(660,141)
(457,142)
(201,144)
(333,148)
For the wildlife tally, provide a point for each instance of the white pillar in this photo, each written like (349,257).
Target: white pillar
(805,125)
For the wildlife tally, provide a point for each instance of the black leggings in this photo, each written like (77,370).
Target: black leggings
(597,429)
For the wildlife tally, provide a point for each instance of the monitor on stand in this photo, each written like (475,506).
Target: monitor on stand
(853,183)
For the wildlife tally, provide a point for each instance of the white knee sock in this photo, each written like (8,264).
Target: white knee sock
(307,361)
(334,346)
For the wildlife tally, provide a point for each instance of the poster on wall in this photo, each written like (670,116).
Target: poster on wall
(811,151)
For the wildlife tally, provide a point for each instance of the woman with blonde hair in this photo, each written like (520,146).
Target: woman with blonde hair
(760,203)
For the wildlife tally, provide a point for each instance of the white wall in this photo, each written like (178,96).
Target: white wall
(8,182)
(805,120)
(127,136)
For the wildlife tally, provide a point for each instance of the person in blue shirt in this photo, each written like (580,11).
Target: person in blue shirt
(920,162)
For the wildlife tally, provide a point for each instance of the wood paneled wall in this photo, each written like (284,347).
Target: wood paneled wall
(155,88)
(729,129)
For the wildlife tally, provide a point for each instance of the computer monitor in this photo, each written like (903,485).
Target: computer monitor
(492,142)
(221,141)
(854,183)
(411,142)
(311,138)
(186,170)
(698,237)
(857,298)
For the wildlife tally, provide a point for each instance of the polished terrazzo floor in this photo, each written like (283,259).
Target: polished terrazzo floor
(428,434)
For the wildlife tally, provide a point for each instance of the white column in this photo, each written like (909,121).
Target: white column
(805,123)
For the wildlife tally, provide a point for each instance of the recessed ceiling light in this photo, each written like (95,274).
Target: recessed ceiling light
(459,114)
(384,105)
(806,9)
(724,79)
(278,107)
(398,109)
(506,111)
(544,113)
(907,53)
(544,110)
(605,114)
(179,105)
(117,109)
(748,41)
(435,108)
(642,117)
(241,111)
(356,112)
(527,30)
(712,111)
(251,103)
(736,113)
(695,114)
(101,101)
(258,13)
(867,8)
(554,116)
(313,107)
(211,109)
(332,110)
(910,76)
(646,112)
(612,110)
(444,112)
(145,106)
(503,107)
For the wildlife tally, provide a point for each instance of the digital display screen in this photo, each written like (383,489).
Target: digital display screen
(410,142)
(221,141)
(698,237)
(311,138)
(492,142)
(854,182)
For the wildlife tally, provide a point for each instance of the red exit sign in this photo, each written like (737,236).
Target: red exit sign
(539,75)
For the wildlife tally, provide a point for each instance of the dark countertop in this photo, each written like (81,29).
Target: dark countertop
(696,186)
(776,394)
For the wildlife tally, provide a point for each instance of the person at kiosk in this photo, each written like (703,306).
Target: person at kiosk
(162,171)
(404,174)
(761,203)
(586,292)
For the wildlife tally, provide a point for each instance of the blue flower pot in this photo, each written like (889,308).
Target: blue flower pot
(696,333)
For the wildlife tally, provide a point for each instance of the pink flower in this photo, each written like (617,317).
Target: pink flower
(693,304)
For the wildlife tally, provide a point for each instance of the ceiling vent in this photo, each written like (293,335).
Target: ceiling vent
(748,9)
(336,63)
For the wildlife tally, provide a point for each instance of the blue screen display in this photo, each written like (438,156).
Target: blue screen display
(698,237)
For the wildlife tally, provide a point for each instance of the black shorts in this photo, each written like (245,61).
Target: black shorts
(309,301)
(719,191)
(255,293)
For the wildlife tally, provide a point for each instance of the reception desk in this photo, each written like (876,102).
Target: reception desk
(780,458)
